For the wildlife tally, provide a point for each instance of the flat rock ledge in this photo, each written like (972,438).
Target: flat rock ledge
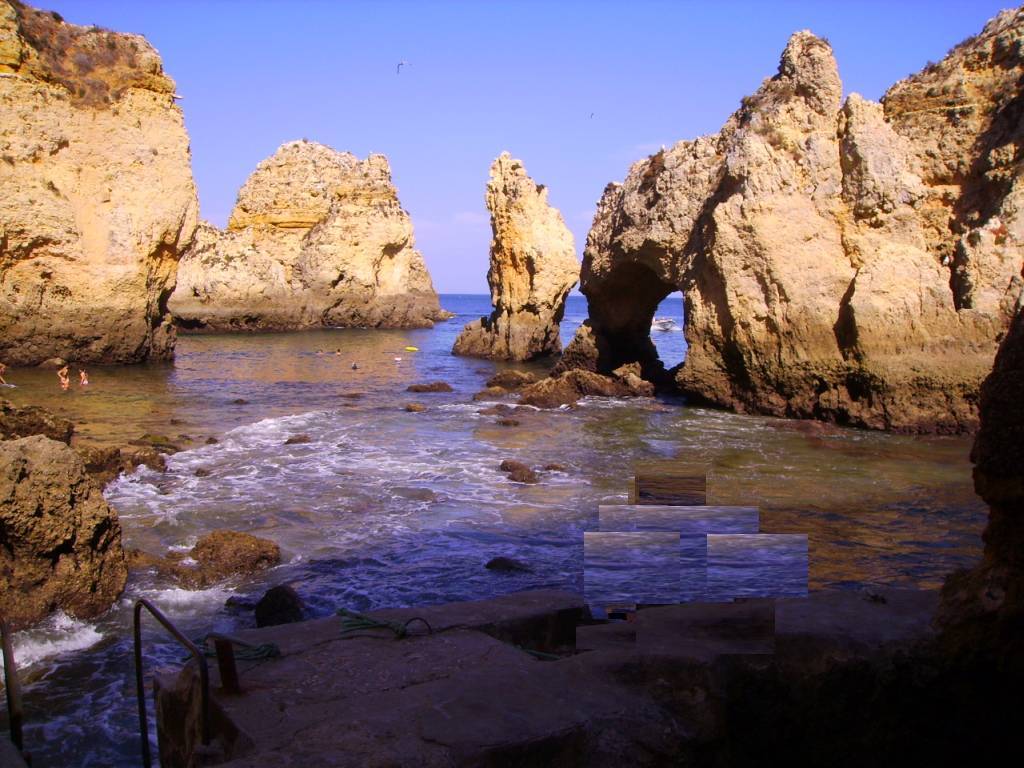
(529,679)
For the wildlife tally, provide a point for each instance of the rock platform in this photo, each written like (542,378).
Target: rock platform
(642,692)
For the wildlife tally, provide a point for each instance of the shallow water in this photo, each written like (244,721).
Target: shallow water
(384,507)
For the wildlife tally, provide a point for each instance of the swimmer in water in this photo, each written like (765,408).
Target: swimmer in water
(2,369)
(355,366)
(83,378)
(62,375)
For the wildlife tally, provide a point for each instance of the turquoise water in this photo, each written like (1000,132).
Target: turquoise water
(383,507)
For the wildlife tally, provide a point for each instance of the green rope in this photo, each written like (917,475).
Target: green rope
(244,651)
(351,621)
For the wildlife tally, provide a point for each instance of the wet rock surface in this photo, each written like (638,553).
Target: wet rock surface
(217,556)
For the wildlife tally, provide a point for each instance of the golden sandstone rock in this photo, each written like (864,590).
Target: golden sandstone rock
(317,237)
(96,193)
(533,268)
(852,261)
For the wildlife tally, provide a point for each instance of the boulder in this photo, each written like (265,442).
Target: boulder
(218,556)
(848,261)
(316,238)
(279,605)
(97,201)
(62,542)
(32,420)
(298,440)
(415,407)
(533,267)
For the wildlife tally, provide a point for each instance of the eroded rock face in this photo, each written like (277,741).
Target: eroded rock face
(533,268)
(852,261)
(983,609)
(61,542)
(317,237)
(96,194)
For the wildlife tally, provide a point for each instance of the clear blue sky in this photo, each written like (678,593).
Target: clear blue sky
(486,76)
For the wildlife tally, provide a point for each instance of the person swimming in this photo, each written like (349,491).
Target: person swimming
(83,378)
(2,369)
(65,380)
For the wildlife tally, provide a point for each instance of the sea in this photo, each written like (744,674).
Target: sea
(384,507)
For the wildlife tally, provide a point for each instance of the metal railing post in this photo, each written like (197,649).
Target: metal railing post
(12,685)
(140,685)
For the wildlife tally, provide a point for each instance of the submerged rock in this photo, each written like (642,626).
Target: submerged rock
(847,261)
(316,238)
(507,565)
(433,386)
(518,472)
(97,201)
(533,267)
(298,440)
(415,407)
(61,541)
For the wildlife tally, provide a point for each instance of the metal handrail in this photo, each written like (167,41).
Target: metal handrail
(140,687)
(13,687)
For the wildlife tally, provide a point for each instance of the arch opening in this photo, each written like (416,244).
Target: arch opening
(622,310)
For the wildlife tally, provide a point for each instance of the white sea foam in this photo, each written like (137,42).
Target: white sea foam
(58,634)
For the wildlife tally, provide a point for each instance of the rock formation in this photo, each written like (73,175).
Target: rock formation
(96,192)
(855,262)
(61,542)
(317,237)
(983,609)
(533,268)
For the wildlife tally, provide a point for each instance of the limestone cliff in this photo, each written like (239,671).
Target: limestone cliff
(852,261)
(96,193)
(317,237)
(533,268)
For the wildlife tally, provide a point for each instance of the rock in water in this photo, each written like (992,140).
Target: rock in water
(317,237)
(507,565)
(97,200)
(222,554)
(853,262)
(533,268)
(32,420)
(279,605)
(61,542)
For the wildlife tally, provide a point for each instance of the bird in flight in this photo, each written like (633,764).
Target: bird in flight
(398,69)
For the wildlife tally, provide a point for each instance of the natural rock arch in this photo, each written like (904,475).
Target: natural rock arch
(833,258)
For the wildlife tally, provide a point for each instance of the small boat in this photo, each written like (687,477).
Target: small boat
(663,324)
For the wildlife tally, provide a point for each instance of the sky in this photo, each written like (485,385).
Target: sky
(577,90)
